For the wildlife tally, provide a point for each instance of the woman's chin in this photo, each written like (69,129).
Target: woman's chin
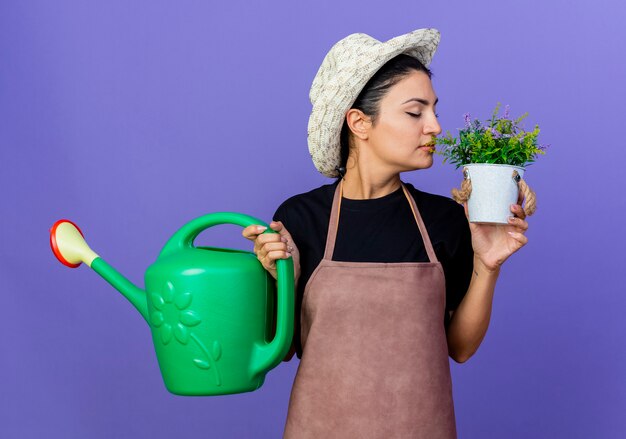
(424,162)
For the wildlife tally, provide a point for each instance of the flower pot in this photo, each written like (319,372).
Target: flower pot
(493,191)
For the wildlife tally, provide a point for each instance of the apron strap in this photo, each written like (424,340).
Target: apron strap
(420,224)
(334,223)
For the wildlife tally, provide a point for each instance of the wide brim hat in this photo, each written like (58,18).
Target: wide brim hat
(345,70)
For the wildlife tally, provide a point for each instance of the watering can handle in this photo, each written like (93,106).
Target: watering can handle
(265,356)
(185,236)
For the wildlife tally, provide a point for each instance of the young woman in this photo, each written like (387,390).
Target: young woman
(390,280)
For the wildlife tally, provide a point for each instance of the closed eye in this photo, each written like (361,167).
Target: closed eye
(418,115)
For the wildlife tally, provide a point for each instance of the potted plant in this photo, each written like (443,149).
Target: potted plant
(494,157)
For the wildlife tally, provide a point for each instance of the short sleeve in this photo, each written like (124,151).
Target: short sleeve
(459,265)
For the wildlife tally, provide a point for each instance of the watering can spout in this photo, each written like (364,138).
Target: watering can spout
(135,295)
(71,249)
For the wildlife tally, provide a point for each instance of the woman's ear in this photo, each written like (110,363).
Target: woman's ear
(359,123)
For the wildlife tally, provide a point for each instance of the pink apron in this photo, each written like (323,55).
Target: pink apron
(374,351)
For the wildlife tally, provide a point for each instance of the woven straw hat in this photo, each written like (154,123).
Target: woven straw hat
(345,70)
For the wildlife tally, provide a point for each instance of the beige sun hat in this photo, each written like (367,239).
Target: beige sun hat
(345,70)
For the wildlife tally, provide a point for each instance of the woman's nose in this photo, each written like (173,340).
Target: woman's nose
(433,127)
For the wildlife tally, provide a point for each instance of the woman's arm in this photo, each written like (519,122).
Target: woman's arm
(492,245)
(469,323)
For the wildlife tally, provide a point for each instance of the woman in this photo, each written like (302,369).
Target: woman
(400,280)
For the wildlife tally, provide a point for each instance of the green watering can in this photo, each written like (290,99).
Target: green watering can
(211,310)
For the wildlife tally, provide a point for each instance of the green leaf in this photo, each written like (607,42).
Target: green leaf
(201,363)
(157,301)
(157,319)
(183,300)
(217,350)
(189,318)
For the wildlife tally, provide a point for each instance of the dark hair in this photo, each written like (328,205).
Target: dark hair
(368,101)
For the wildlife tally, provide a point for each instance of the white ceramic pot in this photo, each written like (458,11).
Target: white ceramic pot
(493,191)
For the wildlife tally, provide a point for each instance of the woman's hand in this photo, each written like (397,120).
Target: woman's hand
(268,247)
(494,243)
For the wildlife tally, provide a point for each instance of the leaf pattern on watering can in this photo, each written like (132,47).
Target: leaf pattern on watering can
(217,350)
(212,358)
(201,363)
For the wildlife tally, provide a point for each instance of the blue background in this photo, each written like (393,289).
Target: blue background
(132,118)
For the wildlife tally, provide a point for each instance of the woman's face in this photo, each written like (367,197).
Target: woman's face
(407,120)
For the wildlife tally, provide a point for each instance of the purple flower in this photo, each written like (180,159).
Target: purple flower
(468,122)
(506,111)
(494,132)
(543,146)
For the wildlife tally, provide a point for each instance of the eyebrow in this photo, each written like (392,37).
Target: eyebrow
(421,101)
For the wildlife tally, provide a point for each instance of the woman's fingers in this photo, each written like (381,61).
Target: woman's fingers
(268,245)
(271,246)
(255,233)
(272,256)
(520,237)
(265,239)
(518,222)
(251,232)
(518,210)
